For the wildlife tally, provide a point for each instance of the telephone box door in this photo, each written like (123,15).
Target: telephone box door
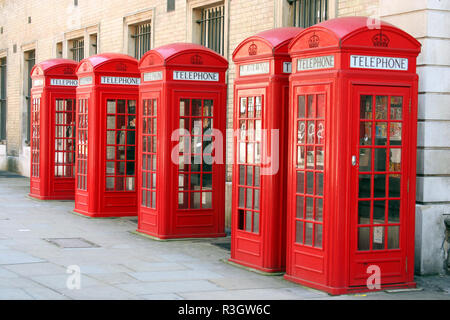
(381,160)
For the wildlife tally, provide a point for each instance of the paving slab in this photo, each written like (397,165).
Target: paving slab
(144,288)
(9,256)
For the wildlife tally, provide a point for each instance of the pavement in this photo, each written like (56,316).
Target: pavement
(49,253)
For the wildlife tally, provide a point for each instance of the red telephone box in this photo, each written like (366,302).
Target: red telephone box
(352,157)
(261,102)
(52,130)
(107,103)
(182,135)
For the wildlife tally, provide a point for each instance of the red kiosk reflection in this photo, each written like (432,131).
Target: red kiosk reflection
(261,107)
(181,156)
(352,156)
(52,130)
(106,126)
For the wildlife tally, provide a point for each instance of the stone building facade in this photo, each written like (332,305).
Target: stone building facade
(33,31)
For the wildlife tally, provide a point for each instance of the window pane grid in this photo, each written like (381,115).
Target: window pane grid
(380,175)
(141,36)
(309,12)
(2,99)
(149,130)
(78,49)
(195,155)
(64,138)
(35,137)
(82,144)
(212,28)
(249,163)
(120,145)
(310,170)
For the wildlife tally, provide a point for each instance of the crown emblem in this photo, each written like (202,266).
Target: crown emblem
(84,66)
(151,60)
(314,41)
(253,49)
(68,71)
(381,40)
(196,59)
(121,67)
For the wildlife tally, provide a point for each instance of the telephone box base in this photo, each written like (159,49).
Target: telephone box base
(255,268)
(348,290)
(104,215)
(58,198)
(159,237)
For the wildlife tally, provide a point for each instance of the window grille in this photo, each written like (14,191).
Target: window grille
(78,49)
(30,60)
(2,99)
(142,40)
(212,28)
(308,12)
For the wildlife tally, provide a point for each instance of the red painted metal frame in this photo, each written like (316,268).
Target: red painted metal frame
(263,246)
(44,185)
(338,267)
(167,220)
(91,197)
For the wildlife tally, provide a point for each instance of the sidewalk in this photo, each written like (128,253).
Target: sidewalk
(117,264)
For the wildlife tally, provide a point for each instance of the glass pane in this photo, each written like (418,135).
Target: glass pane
(249,199)
(319,184)
(249,176)
(242,152)
(241,197)
(301,132)
(379,186)
(196,108)
(258,107)
(394,237)
(258,130)
(381,108)
(381,134)
(364,239)
(365,134)
(308,234)
(394,211)
(241,219)
(300,182)
(110,168)
(182,200)
(366,107)
(310,183)
(131,107)
(364,212)
(309,209)
(110,153)
(208,108)
(320,132)
(318,236)
(321,106)
(207,181)
(250,154)
(242,175)
(319,158)
(257,176)
(243,108)
(109,183)
(248,221)
(395,159)
(184,107)
(299,232)
(195,200)
(111,106)
(365,186)
(311,132)
(206,200)
(310,107)
(256,222)
(301,107)
(256,201)
(111,122)
(300,207)
(310,157)
(319,210)
(380,160)
(378,238)
(365,160)
(396,134)
(121,106)
(396,108)
(394,186)
(379,212)
(301,157)
(251,107)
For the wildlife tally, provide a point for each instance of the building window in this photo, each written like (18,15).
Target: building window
(306,13)
(2,99)
(170,5)
(59,49)
(77,49)
(141,39)
(29,61)
(212,28)
(92,44)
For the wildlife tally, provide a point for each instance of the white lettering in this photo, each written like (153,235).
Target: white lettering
(196,76)
(120,80)
(315,63)
(64,82)
(153,76)
(379,63)
(254,69)
(85,81)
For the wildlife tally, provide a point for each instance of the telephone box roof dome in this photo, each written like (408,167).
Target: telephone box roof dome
(169,54)
(53,66)
(100,61)
(268,42)
(354,32)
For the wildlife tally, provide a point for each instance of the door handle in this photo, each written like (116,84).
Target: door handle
(354,161)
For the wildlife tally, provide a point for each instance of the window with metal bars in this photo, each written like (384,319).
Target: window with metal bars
(212,28)
(142,40)
(77,49)
(308,12)
(30,60)
(2,99)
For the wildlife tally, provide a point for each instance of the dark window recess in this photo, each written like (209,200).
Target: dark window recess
(308,12)
(29,19)
(212,28)
(75,2)
(142,41)
(30,60)
(2,99)
(170,5)
(77,49)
